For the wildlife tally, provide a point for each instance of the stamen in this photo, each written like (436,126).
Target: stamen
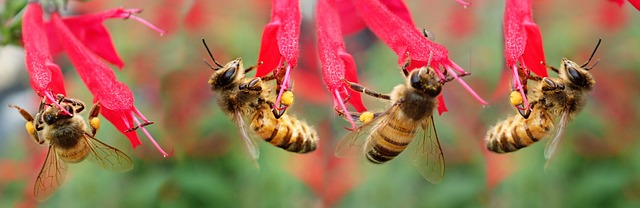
(464,3)
(129,14)
(285,86)
(144,130)
(49,96)
(518,85)
(340,103)
(464,84)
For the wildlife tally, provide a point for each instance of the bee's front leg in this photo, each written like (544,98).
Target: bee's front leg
(254,84)
(31,126)
(359,88)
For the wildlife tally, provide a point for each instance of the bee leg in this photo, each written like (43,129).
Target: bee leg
(550,85)
(94,121)
(524,112)
(359,88)
(252,67)
(406,64)
(30,125)
(552,68)
(77,104)
(448,77)
(252,85)
(277,114)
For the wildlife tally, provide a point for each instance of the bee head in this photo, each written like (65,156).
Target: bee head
(576,74)
(425,80)
(227,74)
(54,114)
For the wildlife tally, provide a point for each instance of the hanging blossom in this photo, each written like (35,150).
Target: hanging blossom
(45,76)
(406,41)
(279,46)
(523,45)
(337,64)
(72,35)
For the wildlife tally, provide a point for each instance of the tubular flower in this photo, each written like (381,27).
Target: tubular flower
(46,77)
(523,44)
(90,29)
(337,64)
(279,46)
(407,42)
(72,35)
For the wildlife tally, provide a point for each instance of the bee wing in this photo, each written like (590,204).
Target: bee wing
(250,143)
(354,142)
(106,156)
(427,156)
(50,177)
(552,144)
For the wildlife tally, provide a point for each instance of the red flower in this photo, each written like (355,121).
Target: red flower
(635,3)
(279,46)
(46,77)
(90,29)
(407,42)
(337,64)
(115,97)
(523,43)
(352,22)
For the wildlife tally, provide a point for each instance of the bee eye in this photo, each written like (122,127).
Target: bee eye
(428,86)
(48,119)
(227,77)
(576,77)
(416,82)
(69,108)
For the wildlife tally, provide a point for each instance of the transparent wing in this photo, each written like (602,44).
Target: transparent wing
(552,145)
(51,176)
(428,157)
(106,156)
(250,143)
(353,143)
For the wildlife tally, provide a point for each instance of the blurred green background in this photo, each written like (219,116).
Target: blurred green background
(597,164)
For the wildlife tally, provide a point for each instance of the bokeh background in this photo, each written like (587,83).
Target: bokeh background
(597,164)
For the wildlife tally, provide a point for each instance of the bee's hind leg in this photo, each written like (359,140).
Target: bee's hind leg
(94,121)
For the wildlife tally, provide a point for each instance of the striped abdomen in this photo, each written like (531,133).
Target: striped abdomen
(286,132)
(389,140)
(517,132)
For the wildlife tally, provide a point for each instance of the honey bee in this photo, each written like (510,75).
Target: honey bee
(70,141)
(563,97)
(385,135)
(240,96)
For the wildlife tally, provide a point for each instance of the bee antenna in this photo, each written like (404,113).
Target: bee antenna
(210,55)
(590,57)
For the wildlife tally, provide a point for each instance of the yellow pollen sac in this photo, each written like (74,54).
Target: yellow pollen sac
(366,117)
(515,97)
(30,128)
(287,98)
(95,122)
